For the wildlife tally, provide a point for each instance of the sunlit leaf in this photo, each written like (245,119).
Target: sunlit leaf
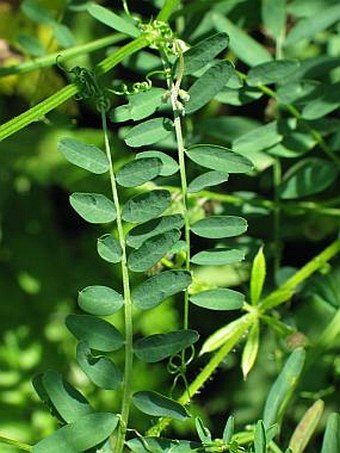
(169,165)
(146,206)
(258,275)
(211,178)
(274,17)
(63,35)
(153,291)
(145,103)
(218,257)
(112,20)
(109,248)
(138,171)
(149,132)
(258,139)
(83,155)
(100,300)
(218,226)
(306,427)
(93,207)
(250,350)
(203,432)
(260,442)
(271,72)
(229,429)
(218,299)
(155,404)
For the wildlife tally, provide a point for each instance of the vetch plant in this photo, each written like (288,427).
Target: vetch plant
(155,228)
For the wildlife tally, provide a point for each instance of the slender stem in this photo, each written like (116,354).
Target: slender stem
(14,443)
(119,444)
(277,214)
(167,9)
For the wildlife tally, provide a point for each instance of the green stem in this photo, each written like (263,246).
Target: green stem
(119,443)
(50,59)
(168,8)
(277,214)
(14,443)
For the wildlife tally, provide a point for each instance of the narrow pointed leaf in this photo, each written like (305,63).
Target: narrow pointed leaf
(98,333)
(149,132)
(250,350)
(93,207)
(153,291)
(208,85)
(112,20)
(211,178)
(218,257)
(100,369)
(331,439)
(205,51)
(160,346)
(219,158)
(283,388)
(215,227)
(136,236)
(218,299)
(229,429)
(258,275)
(109,249)
(138,172)
(203,432)
(306,427)
(81,435)
(272,72)
(155,404)
(152,250)
(274,17)
(260,443)
(100,300)
(146,206)
(169,165)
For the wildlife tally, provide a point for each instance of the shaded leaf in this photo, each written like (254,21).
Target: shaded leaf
(272,72)
(323,100)
(98,333)
(138,171)
(63,35)
(83,155)
(112,20)
(258,139)
(169,165)
(100,300)
(93,207)
(37,12)
(331,442)
(155,404)
(218,257)
(149,132)
(242,96)
(229,429)
(146,206)
(274,17)
(219,226)
(30,45)
(211,178)
(153,291)
(109,249)
(203,432)
(218,299)
(306,427)
(260,442)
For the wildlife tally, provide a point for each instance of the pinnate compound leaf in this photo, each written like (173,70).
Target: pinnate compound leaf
(331,437)
(98,333)
(169,165)
(81,435)
(274,17)
(93,207)
(218,299)
(100,300)
(59,394)
(149,132)
(146,206)
(251,349)
(211,178)
(283,387)
(155,404)
(136,236)
(205,51)
(219,158)
(272,72)
(83,155)
(218,257)
(307,177)
(152,250)
(218,226)
(112,20)
(258,275)
(160,346)
(99,369)
(109,249)
(306,427)
(153,291)
(208,85)
(138,172)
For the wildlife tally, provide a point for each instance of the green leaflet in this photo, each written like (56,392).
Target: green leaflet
(98,333)
(272,72)
(99,369)
(219,158)
(208,85)
(307,177)
(109,249)
(322,100)
(100,300)
(260,442)
(37,12)
(331,440)
(84,433)
(169,165)
(242,96)
(55,391)
(274,17)
(258,275)
(211,178)
(112,20)
(63,35)
(155,348)
(251,349)
(228,128)
(155,404)
(140,105)
(306,427)
(218,257)
(93,207)
(218,299)
(138,171)
(203,52)
(146,206)
(219,226)
(83,155)
(153,291)
(30,45)
(149,132)
(229,429)
(152,250)
(139,234)
(258,139)
(283,388)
